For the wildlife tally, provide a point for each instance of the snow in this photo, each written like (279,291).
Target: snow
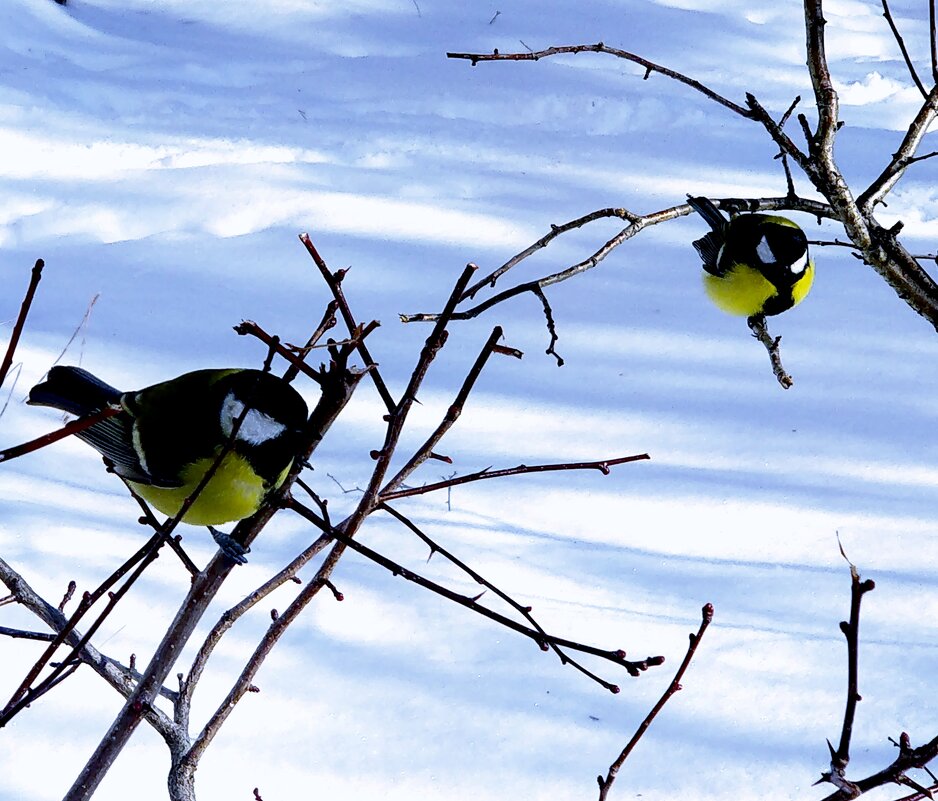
(165,155)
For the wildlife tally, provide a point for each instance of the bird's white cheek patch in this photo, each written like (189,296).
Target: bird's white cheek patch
(798,267)
(764,252)
(256,427)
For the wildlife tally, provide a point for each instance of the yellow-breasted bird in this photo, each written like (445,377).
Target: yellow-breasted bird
(167,436)
(753,263)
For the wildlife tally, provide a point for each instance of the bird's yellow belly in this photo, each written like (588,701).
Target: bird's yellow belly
(741,291)
(233,492)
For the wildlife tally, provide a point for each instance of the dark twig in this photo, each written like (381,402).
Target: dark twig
(27,694)
(602,465)
(851,631)
(905,53)
(637,223)
(551,325)
(334,282)
(250,328)
(555,231)
(933,40)
(909,759)
(66,431)
(650,66)
(20,634)
(618,656)
(782,155)
(34,278)
(327,322)
(449,420)
(673,687)
(761,332)
(525,611)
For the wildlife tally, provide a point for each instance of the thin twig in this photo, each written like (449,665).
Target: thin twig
(525,611)
(27,694)
(20,634)
(851,631)
(602,465)
(119,677)
(617,656)
(650,66)
(905,53)
(66,431)
(760,331)
(452,415)
(933,40)
(673,687)
(250,328)
(327,322)
(334,282)
(34,278)
(636,225)
(555,231)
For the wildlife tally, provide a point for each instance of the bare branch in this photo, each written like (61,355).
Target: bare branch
(933,39)
(27,693)
(602,465)
(902,48)
(904,156)
(650,66)
(228,619)
(449,420)
(34,278)
(66,431)
(617,656)
(525,611)
(112,672)
(543,242)
(673,687)
(760,331)
(334,282)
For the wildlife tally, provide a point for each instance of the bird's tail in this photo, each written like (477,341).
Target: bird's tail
(73,390)
(709,212)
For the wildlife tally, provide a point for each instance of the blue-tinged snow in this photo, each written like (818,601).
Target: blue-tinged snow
(163,156)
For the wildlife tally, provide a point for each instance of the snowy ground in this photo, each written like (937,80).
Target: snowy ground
(162,155)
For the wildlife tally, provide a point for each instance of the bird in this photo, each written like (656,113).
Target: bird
(167,436)
(753,263)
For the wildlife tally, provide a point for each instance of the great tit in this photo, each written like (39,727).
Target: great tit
(167,436)
(753,263)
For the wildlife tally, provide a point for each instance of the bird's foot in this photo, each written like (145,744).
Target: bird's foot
(233,549)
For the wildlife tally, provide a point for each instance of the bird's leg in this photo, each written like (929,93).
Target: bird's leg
(233,549)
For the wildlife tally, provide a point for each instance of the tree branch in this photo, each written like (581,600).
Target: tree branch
(650,66)
(617,656)
(602,465)
(902,48)
(675,686)
(34,278)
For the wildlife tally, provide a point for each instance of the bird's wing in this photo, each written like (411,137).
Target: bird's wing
(113,439)
(708,247)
